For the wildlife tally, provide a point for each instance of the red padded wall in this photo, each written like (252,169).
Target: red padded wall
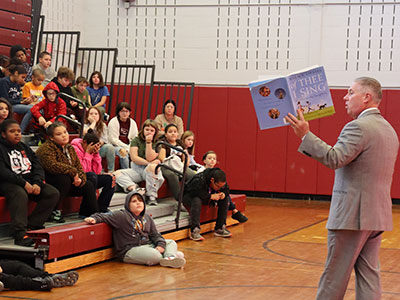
(224,120)
(212,123)
(271,151)
(392,99)
(240,136)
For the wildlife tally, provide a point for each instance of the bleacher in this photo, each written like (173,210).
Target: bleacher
(75,244)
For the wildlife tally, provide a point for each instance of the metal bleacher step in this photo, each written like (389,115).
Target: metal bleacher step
(164,215)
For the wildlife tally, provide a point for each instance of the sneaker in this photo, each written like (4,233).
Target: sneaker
(180,254)
(239,217)
(106,117)
(56,217)
(42,284)
(173,262)
(152,201)
(22,240)
(222,232)
(65,279)
(195,235)
(1,286)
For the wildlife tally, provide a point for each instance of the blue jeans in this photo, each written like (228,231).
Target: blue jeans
(109,152)
(26,111)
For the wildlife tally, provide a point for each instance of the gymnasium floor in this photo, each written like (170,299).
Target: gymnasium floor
(278,254)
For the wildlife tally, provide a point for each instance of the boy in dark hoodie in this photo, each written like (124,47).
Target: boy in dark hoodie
(22,178)
(209,188)
(135,235)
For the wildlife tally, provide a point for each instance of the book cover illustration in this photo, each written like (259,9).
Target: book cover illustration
(307,90)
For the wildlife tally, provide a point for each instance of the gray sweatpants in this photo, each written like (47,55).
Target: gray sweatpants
(136,174)
(149,255)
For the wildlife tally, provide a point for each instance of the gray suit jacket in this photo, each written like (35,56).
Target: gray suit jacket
(363,159)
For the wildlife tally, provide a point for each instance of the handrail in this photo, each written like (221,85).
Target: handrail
(69,119)
(82,121)
(182,174)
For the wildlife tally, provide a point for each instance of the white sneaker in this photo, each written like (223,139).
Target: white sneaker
(173,262)
(179,254)
(1,286)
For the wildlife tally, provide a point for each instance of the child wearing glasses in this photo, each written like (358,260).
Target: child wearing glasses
(45,112)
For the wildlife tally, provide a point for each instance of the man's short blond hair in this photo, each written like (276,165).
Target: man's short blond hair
(372,86)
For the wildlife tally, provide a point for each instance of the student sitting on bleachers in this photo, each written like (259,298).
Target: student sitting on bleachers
(168,154)
(79,90)
(94,121)
(188,144)
(98,91)
(22,178)
(32,91)
(19,52)
(64,171)
(4,63)
(87,150)
(169,117)
(144,160)
(6,111)
(136,238)
(209,161)
(122,129)
(45,112)
(18,276)
(63,80)
(10,89)
(208,188)
(45,65)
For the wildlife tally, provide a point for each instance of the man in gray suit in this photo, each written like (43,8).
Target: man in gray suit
(361,206)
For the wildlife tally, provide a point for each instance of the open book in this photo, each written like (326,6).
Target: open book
(307,90)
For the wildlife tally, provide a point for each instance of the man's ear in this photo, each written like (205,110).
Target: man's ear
(3,134)
(367,98)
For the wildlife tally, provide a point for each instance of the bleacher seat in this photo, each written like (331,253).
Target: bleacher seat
(15,21)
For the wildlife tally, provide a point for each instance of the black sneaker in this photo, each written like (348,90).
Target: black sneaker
(42,284)
(21,239)
(239,217)
(65,279)
(56,217)
(26,242)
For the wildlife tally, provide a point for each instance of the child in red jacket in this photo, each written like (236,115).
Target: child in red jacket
(45,112)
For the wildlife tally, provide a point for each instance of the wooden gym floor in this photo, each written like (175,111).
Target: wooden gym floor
(278,254)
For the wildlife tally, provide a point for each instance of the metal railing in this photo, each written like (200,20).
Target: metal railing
(134,84)
(62,45)
(182,176)
(180,92)
(127,83)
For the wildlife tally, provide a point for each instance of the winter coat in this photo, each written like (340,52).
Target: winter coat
(50,109)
